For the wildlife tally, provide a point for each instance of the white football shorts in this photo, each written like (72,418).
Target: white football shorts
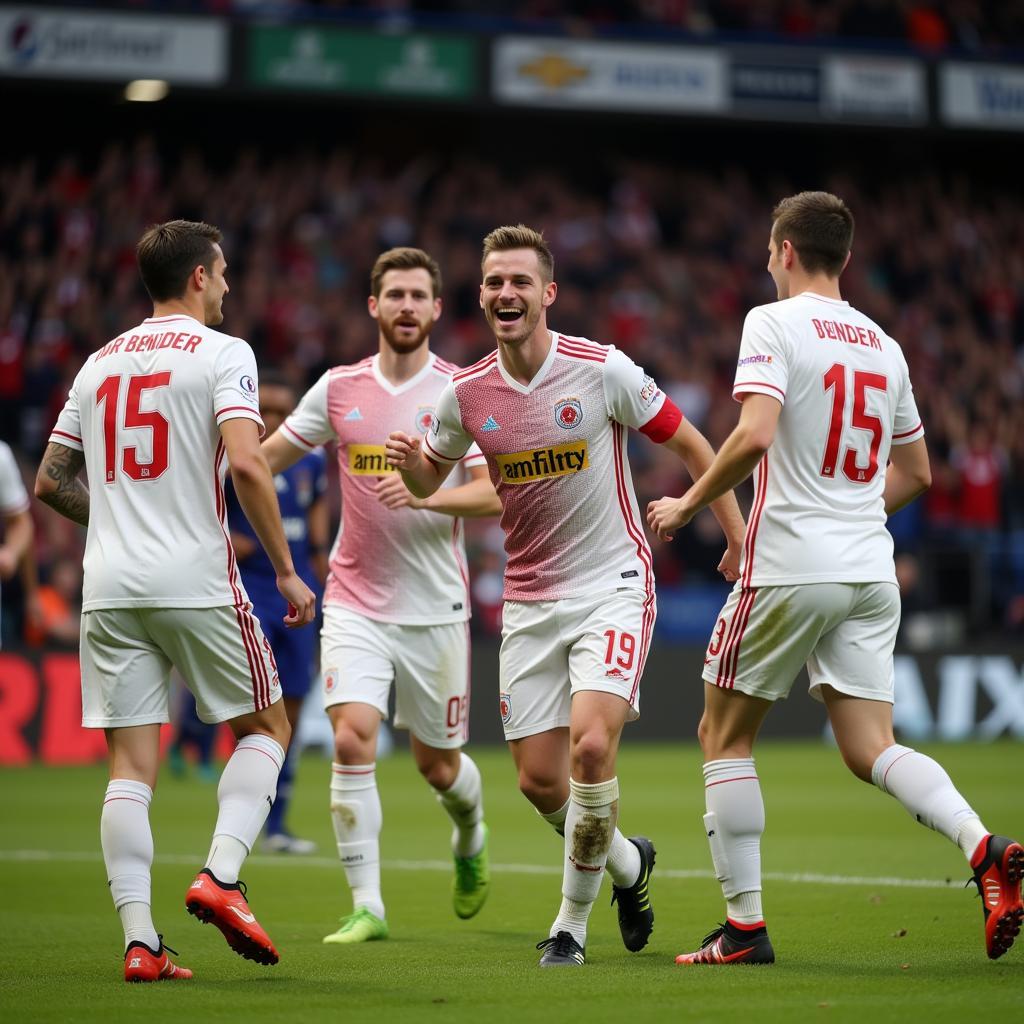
(360,658)
(553,649)
(127,655)
(843,632)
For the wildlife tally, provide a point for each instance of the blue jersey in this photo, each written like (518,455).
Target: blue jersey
(297,488)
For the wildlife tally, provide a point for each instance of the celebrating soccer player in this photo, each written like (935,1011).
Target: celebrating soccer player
(397,602)
(830,425)
(156,416)
(550,413)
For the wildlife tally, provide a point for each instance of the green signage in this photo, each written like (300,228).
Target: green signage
(341,61)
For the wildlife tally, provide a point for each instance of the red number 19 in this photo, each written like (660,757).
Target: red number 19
(627,645)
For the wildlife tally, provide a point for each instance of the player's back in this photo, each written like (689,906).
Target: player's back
(818,511)
(148,408)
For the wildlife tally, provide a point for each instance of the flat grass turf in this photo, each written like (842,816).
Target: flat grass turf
(867,951)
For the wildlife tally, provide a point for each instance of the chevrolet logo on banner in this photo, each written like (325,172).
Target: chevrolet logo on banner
(543,463)
(554,71)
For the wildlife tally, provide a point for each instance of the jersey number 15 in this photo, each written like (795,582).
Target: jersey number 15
(107,395)
(835,380)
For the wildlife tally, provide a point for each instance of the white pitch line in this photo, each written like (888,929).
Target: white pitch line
(800,878)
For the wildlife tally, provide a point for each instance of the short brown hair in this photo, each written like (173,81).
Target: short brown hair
(168,253)
(521,237)
(819,226)
(404,258)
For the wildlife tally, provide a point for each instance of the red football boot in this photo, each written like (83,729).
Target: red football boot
(143,964)
(998,865)
(224,905)
(733,944)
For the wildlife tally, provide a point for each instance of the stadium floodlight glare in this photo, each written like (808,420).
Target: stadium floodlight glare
(145,90)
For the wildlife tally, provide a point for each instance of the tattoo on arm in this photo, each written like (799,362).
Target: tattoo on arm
(70,497)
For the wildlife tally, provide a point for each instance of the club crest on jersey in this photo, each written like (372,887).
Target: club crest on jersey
(569,413)
(505,707)
(424,418)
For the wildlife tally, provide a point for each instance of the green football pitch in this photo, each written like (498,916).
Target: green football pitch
(866,909)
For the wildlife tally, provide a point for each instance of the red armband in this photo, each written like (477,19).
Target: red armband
(662,426)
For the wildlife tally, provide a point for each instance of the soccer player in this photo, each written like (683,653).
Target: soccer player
(301,495)
(396,608)
(18,531)
(156,416)
(829,423)
(550,414)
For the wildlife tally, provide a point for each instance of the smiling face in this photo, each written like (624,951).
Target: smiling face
(514,295)
(406,309)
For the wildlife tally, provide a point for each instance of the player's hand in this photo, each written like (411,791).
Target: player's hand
(392,493)
(8,563)
(402,451)
(301,600)
(729,566)
(666,515)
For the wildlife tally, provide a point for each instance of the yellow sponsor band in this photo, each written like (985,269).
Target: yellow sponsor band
(368,460)
(542,463)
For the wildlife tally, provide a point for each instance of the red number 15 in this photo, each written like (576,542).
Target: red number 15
(134,419)
(835,381)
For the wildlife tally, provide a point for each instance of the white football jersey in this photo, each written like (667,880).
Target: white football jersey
(556,451)
(146,409)
(13,496)
(404,565)
(818,513)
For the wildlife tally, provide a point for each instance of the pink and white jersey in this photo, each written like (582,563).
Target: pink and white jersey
(556,451)
(405,565)
(146,409)
(818,513)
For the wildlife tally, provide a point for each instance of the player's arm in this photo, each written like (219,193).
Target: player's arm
(280,453)
(698,455)
(474,499)
(421,474)
(736,460)
(909,475)
(14,551)
(318,530)
(254,486)
(57,483)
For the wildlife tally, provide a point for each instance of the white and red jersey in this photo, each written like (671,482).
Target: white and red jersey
(818,514)
(146,409)
(13,496)
(556,451)
(404,565)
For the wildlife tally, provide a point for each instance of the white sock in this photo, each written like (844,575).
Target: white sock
(734,824)
(127,841)
(245,795)
(589,827)
(623,864)
(928,793)
(463,800)
(357,818)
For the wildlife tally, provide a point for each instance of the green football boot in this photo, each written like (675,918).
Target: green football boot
(359,926)
(472,881)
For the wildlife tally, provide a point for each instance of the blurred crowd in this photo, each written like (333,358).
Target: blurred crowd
(658,259)
(969,25)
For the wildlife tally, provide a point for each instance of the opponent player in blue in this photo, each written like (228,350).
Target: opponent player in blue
(301,495)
